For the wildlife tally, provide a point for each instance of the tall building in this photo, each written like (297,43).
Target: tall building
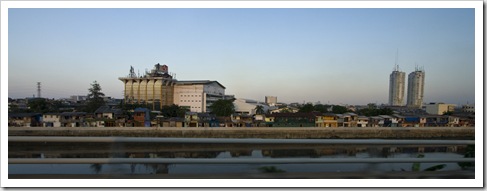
(415,88)
(157,88)
(396,87)
(271,100)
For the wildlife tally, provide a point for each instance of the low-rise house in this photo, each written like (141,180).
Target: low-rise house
(106,116)
(294,119)
(376,121)
(362,121)
(51,120)
(411,121)
(259,120)
(397,120)
(73,119)
(327,120)
(388,120)
(141,117)
(173,122)
(436,121)
(191,119)
(207,120)
(349,119)
(242,120)
(24,120)
(224,121)
(466,121)
(269,120)
(453,121)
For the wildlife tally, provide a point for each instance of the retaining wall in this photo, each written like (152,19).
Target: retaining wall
(252,132)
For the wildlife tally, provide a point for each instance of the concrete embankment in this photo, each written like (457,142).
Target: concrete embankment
(255,132)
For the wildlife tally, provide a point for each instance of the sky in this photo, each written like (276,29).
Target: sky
(330,55)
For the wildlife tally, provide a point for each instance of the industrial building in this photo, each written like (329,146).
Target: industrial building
(197,96)
(415,88)
(247,106)
(158,88)
(396,87)
(439,108)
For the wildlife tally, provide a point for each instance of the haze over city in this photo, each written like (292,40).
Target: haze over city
(336,56)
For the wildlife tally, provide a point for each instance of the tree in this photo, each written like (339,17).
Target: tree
(223,107)
(321,108)
(306,108)
(38,105)
(41,105)
(448,113)
(173,111)
(339,109)
(259,109)
(95,98)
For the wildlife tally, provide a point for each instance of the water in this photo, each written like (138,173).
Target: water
(164,150)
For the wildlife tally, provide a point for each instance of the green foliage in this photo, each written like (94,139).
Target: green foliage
(436,167)
(285,110)
(270,169)
(96,167)
(259,109)
(448,113)
(41,105)
(38,105)
(321,108)
(374,112)
(173,111)
(339,109)
(306,108)
(417,166)
(223,107)
(470,153)
(95,98)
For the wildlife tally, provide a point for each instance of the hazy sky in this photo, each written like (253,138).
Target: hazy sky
(336,56)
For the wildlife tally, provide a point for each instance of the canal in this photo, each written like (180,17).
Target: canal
(75,150)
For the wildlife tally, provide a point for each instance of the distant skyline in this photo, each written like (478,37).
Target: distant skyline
(330,55)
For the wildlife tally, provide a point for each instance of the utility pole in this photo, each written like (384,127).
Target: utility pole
(38,89)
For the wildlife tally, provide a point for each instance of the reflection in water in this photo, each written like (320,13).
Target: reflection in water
(162,150)
(96,168)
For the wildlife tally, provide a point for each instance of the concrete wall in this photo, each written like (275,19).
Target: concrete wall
(256,132)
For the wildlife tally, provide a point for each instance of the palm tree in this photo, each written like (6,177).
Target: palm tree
(259,109)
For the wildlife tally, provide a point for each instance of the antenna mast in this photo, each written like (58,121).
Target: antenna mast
(38,89)
(396,66)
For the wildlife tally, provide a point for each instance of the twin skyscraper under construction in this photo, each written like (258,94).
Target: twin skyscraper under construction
(415,88)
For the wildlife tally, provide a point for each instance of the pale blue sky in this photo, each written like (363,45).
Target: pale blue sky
(337,56)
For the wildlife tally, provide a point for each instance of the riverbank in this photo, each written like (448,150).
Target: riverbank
(255,132)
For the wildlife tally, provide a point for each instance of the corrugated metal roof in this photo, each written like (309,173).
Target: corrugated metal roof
(23,114)
(192,82)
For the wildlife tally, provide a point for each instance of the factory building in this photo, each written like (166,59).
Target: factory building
(197,96)
(158,88)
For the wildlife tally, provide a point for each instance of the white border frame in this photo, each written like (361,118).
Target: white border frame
(477,182)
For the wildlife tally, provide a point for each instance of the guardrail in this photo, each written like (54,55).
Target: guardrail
(229,160)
